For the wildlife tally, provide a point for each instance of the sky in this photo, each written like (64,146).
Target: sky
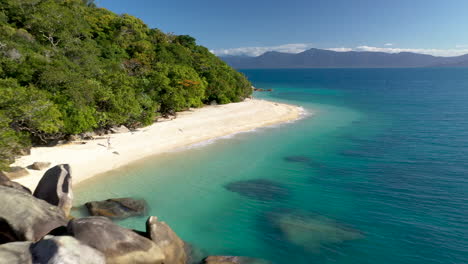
(252,27)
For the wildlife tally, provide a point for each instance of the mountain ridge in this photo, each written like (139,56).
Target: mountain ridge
(319,58)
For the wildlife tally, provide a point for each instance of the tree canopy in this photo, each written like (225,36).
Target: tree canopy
(68,67)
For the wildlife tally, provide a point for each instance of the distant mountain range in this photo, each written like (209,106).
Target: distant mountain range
(317,58)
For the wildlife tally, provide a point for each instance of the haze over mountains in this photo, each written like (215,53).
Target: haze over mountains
(318,58)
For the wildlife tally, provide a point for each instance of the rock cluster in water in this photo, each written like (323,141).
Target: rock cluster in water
(36,228)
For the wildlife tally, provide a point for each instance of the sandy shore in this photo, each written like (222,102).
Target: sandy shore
(190,127)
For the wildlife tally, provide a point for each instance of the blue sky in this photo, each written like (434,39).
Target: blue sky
(438,27)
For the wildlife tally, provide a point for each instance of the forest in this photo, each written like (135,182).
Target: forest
(69,67)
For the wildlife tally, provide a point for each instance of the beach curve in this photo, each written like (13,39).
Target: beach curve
(190,127)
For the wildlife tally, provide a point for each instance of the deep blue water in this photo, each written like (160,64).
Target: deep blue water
(378,173)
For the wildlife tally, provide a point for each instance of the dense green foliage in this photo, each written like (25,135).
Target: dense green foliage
(68,67)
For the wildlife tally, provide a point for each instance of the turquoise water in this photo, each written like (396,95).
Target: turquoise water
(378,173)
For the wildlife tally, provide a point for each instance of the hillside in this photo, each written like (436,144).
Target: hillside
(68,67)
(317,58)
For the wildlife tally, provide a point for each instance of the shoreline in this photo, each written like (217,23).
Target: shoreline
(189,128)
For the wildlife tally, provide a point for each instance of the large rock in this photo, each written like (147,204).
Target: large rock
(119,129)
(65,250)
(16,253)
(15,172)
(117,208)
(5,181)
(25,218)
(118,244)
(51,250)
(260,189)
(171,245)
(233,260)
(40,165)
(55,187)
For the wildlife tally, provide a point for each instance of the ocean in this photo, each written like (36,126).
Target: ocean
(376,173)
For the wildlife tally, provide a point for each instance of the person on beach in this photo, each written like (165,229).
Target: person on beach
(108,143)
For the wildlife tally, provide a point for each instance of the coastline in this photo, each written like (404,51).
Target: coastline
(190,127)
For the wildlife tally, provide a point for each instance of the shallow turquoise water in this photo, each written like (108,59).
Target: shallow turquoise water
(378,173)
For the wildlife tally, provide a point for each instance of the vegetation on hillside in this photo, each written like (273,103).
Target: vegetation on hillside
(68,67)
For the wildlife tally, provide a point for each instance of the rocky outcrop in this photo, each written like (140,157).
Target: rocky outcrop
(25,218)
(66,250)
(55,187)
(233,260)
(5,181)
(118,244)
(16,253)
(119,129)
(260,189)
(171,245)
(40,165)
(15,172)
(117,208)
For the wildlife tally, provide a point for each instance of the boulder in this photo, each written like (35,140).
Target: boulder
(260,189)
(5,181)
(117,208)
(24,151)
(171,245)
(55,187)
(119,129)
(26,218)
(118,244)
(40,165)
(65,250)
(16,253)
(233,260)
(15,172)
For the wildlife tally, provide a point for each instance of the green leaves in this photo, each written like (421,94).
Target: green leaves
(67,67)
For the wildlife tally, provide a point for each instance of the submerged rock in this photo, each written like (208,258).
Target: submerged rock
(301,159)
(233,260)
(195,255)
(25,218)
(312,231)
(118,244)
(117,208)
(171,245)
(55,187)
(260,189)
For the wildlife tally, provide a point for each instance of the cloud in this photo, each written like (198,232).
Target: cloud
(388,44)
(342,49)
(257,51)
(435,52)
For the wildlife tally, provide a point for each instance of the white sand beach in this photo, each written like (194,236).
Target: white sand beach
(190,127)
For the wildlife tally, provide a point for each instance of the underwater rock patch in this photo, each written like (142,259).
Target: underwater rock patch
(260,189)
(299,159)
(312,231)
